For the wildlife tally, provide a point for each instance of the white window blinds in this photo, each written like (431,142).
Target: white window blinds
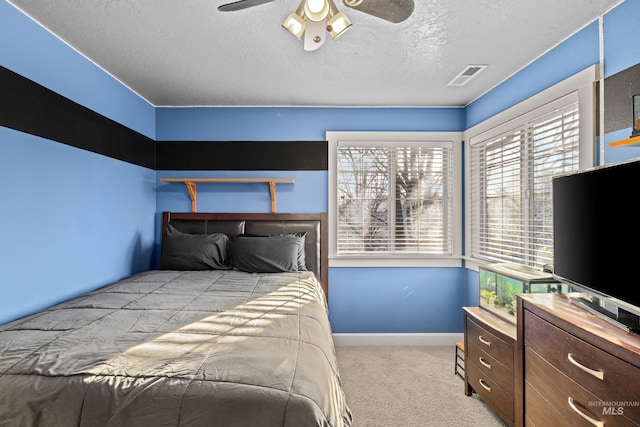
(394,198)
(511,171)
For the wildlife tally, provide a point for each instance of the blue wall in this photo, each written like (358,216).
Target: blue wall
(366,287)
(396,300)
(307,195)
(297,124)
(31,51)
(72,220)
(50,191)
(620,38)
(569,57)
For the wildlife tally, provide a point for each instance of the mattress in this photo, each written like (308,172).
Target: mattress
(177,348)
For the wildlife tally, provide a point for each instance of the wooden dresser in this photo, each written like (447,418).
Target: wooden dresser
(490,364)
(577,369)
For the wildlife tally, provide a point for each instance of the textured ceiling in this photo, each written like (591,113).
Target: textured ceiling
(187,53)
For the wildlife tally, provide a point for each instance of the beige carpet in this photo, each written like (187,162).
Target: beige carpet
(407,387)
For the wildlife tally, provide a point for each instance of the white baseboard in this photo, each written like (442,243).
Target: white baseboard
(375,340)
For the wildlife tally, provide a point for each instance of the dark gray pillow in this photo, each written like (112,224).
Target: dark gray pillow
(183,251)
(267,254)
(302,257)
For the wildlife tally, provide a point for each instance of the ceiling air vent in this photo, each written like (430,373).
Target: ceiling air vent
(469,72)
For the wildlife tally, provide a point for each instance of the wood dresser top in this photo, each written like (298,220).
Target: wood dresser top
(493,321)
(584,324)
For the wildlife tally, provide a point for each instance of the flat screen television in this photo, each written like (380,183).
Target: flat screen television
(596,236)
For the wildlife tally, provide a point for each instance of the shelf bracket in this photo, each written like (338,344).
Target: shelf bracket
(191,188)
(272,190)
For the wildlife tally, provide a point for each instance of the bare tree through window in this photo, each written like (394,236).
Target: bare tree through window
(392,199)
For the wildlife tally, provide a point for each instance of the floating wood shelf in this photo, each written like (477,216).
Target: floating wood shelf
(191,186)
(630,142)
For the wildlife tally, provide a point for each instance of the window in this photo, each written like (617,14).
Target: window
(511,166)
(511,214)
(393,196)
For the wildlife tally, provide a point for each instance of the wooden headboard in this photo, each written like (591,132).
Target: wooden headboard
(232,224)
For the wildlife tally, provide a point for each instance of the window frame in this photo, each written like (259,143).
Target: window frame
(579,87)
(397,260)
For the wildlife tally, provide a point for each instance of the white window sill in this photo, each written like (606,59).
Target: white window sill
(371,261)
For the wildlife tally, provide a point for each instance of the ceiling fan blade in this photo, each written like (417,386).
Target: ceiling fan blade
(241,4)
(390,10)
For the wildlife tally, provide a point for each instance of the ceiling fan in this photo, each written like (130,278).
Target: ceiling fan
(312,17)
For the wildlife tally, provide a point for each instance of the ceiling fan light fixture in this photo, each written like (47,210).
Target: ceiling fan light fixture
(316,10)
(312,18)
(295,24)
(338,24)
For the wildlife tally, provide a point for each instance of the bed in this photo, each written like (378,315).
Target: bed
(231,330)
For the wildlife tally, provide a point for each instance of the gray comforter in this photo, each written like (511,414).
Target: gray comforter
(171,348)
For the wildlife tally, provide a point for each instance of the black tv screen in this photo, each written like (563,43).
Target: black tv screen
(596,231)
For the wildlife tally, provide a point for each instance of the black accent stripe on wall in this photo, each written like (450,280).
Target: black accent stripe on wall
(31,108)
(241,155)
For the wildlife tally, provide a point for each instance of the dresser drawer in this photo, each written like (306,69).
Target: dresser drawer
(490,391)
(539,412)
(493,346)
(607,377)
(575,366)
(491,367)
(558,389)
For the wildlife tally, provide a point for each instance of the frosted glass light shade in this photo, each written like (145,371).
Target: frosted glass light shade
(338,25)
(295,25)
(316,10)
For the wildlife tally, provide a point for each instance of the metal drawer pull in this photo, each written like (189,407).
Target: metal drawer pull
(598,374)
(583,415)
(484,341)
(484,385)
(484,363)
